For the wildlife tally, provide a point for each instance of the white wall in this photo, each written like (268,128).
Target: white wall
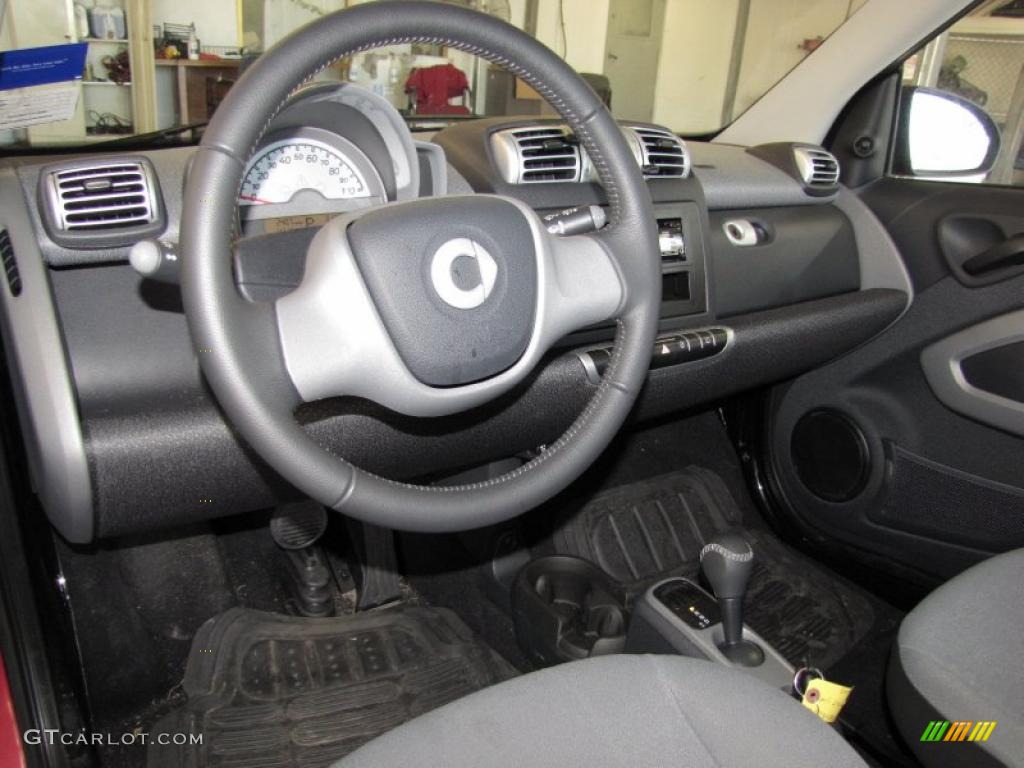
(775,30)
(697,48)
(216,20)
(517,12)
(6,37)
(694,64)
(586,31)
(282,17)
(586,26)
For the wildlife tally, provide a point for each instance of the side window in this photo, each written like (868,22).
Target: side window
(962,109)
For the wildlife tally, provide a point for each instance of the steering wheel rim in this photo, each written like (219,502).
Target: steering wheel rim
(235,338)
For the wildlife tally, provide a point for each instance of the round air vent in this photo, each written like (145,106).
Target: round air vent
(830,454)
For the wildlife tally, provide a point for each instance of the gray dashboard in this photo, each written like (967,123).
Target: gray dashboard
(124,436)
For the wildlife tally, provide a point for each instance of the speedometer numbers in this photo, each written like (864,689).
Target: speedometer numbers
(285,168)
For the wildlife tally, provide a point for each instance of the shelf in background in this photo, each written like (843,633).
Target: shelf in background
(117,41)
(106,82)
(198,62)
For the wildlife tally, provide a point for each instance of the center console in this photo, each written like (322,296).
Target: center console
(677,616)
(684,295)
(566,608)
(684,289)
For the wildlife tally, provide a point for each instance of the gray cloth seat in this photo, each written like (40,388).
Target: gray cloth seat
(959,657)
(635,711)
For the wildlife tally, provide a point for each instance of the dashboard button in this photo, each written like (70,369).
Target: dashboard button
(685,347)
(664,353)
(701,345)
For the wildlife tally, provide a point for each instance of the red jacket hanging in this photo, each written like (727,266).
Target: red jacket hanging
(434,86)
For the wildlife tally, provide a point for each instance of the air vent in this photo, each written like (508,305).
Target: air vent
(10,263)
(663,154)
(818,169)
(540,154)
(109,204)
(551,153)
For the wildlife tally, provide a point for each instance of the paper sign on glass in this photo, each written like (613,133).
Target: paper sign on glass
(42,104)
(25,67)
(38,85)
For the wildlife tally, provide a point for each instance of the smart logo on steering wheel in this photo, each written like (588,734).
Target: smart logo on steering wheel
(463,273)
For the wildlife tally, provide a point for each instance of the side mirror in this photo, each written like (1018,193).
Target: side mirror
(944,136)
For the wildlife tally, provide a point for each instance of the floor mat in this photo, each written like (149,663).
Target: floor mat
(272,691)
(649,530)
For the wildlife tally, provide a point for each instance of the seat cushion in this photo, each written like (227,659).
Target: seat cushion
(959,656)
(618,711)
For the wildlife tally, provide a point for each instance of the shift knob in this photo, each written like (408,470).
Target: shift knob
(727,561)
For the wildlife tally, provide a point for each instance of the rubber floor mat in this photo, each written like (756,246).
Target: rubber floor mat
(272,691)
(646,531)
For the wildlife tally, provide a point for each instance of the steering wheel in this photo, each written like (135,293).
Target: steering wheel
(427,307)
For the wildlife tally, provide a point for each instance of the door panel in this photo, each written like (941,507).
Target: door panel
(947,364)
(999,370)
(935,401)
(982,248)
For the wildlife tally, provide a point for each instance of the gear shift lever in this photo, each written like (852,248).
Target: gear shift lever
(727,561)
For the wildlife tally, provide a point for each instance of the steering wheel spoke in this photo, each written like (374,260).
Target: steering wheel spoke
(584,285)
(338,329)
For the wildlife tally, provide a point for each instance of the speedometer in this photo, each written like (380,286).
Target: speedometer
(287,167)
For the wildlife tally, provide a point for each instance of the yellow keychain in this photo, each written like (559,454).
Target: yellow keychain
(823,698)
(826,699)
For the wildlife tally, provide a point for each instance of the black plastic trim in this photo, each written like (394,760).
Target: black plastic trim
(158,446)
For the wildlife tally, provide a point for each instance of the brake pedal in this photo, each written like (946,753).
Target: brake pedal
(377,565)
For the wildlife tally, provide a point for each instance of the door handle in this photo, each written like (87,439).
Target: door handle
(1009,253)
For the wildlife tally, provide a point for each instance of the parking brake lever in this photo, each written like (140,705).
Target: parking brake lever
(1009,253)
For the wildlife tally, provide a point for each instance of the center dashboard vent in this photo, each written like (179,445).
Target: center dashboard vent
(549,153)
(101,204)
(663,154)
(538,154)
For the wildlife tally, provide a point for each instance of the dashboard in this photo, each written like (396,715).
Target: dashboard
(769,270)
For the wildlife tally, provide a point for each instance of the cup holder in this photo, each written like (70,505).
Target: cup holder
(567,608)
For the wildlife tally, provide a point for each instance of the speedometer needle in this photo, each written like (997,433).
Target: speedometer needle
(254,199)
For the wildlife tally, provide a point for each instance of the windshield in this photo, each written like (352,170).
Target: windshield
(130,67)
